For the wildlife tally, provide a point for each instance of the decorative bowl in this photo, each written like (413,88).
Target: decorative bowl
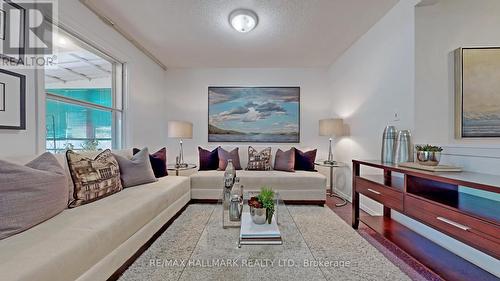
(258,215)
(428,158)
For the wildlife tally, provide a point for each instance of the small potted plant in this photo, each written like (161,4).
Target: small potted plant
(262,206)
(428,155)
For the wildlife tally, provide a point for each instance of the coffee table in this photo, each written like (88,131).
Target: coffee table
(231,229)
(218,244)
(228,223)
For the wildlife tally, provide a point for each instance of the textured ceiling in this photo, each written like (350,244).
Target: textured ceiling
(290,33)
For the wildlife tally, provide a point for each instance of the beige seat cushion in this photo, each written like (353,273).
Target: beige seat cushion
(67,245)
(299,185)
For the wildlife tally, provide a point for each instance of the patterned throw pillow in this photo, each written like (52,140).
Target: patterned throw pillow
(285,160)
(305,160)
(225,155)
(93,179)
(259,161)
(209,160)
(158,162)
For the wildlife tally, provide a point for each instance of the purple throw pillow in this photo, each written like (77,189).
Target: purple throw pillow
(305,160)
(158,162)
(209,160)
(225,155)
(285,160)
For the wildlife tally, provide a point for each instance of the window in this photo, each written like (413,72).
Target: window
(83,97)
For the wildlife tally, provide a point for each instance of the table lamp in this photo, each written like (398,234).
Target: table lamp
(180,130)
(332,127)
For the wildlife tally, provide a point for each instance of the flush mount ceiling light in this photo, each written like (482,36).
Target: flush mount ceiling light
(243,20)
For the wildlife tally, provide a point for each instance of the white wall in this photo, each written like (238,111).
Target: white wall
(25,142)
(187,90)
(440,29)
(370,82)
(145,121)
(375,78)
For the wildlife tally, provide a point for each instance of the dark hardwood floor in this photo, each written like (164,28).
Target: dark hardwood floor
(430,260)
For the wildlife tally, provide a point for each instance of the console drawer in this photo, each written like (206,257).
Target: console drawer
(475,232)
(387,196)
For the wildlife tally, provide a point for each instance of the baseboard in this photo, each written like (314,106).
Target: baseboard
(361,205)
(203,201)
(343,195)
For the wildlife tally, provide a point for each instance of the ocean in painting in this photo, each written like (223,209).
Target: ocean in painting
(254,138)
(476,128)
(480,92)
(254,114)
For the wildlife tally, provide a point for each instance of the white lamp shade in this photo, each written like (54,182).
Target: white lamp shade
(332,127)
(180,129)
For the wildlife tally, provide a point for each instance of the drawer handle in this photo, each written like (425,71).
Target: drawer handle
(455,224)
(373,191)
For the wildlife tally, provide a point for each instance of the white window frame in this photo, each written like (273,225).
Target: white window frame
(117,88)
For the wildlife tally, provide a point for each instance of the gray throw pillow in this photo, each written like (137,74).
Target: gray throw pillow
(31,194)
(136,170)
(285,160)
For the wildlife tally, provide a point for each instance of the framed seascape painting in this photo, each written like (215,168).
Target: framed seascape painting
(477,92)
(254,114)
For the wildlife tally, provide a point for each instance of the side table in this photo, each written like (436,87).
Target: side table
(172,167)
(332,166)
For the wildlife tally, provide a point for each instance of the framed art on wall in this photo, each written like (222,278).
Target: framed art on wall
(254,114)
(477,92)
(12,100)
(12,32)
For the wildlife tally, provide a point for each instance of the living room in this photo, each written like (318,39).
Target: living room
(342,99)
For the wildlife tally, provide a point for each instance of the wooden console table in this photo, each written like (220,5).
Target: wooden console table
(435,200)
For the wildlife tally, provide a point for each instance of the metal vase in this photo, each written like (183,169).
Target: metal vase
(258,215)
(388,142)
(234,208)
(403,150)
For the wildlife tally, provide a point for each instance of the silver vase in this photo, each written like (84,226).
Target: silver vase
(258,215)
(234,208)
(428,158)
(388,141)
(403,149)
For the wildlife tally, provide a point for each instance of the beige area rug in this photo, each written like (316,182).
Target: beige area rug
(317,245)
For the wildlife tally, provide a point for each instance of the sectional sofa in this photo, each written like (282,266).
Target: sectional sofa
(299,187)
(92,241)
(97,240)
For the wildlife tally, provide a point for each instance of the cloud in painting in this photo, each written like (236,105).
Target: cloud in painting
(251,104)
(222,95)
(251,116)
(283,94)
(259,114)
(270,107)
(236,111)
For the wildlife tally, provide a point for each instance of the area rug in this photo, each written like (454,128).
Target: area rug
(320,247)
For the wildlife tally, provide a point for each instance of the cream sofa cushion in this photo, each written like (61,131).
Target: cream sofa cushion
(67,245)
(298,185)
